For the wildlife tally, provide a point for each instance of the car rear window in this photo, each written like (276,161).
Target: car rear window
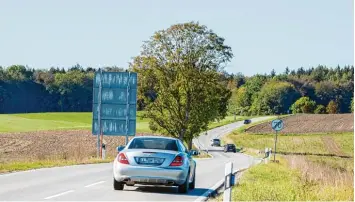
(154,143)
(216,140)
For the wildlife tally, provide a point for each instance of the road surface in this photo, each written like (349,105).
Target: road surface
(94,182)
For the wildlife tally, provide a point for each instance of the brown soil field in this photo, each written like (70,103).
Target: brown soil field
(310,123)
(47,145)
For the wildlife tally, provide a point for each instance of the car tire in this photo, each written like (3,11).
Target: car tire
(184,188)
(192,184)
(117,185)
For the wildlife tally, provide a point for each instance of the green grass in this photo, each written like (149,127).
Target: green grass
(308,172)
(55,121)
(277,182)
(345,142)
(227,120)
(71,120)
(21,166)
(311,144)
(202,155)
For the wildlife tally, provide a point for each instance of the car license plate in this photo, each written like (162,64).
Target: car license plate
(150,160)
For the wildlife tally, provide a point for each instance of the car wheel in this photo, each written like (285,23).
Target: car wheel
(192,184)
(117,185)
(184,188)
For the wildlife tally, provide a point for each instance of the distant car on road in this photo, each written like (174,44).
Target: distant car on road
(230,147)
(247,121)
(215,142)
(151,160)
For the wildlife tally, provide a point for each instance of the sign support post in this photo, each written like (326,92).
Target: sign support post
(276,125)
(127,106)
(99,115)
(275,146)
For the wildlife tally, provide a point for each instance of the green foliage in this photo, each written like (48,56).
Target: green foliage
(274,98)
(325,91)
(332,107)
(352,105)
(303,105)
(182,65)
(242,101)
(320,109)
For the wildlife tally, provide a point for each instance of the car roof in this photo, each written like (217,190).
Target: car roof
(157,137)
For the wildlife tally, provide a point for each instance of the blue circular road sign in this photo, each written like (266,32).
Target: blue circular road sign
(277,124)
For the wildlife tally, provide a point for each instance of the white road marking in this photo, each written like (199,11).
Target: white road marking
(205,195)
(60,194)
(96,183)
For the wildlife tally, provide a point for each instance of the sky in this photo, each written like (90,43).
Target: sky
(264,35)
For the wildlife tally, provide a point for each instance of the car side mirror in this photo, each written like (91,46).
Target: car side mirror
(120,148)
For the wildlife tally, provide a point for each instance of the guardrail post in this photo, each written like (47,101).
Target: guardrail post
(227,194)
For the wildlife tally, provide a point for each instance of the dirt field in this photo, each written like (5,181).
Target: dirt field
(310,123)
(46,145)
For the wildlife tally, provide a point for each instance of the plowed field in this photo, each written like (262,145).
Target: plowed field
(310,123)
(46,145)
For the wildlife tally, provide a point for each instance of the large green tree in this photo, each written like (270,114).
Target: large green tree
(183,65)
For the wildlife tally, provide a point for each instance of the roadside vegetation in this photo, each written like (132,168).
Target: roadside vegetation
(313,167)
(284,182)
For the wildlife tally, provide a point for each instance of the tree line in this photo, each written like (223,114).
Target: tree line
(318,90)
(315,90)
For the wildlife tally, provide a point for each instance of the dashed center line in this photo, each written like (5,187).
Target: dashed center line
(96,183)
(60,194)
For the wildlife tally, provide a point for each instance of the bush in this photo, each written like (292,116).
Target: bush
(303,105)
(320,109)
(332,107)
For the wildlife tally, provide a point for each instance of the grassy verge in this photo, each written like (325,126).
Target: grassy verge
(21,166)
(202,155)
(228,120)
(277,182)
(310,168)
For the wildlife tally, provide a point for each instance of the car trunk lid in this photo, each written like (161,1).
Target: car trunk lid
(150,157)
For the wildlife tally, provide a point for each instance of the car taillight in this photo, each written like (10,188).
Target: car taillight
(178,161)
(122,158)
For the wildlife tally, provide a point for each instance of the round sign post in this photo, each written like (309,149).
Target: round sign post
(276,125)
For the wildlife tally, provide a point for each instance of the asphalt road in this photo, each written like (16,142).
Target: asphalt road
(94,182)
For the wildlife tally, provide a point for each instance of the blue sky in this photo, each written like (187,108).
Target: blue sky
(263,34)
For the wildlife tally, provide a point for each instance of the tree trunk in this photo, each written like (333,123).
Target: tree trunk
(181,135)
(189,144)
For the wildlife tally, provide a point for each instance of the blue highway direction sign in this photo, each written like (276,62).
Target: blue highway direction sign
(114,103)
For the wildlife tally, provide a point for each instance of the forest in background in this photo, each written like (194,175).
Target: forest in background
(318,89)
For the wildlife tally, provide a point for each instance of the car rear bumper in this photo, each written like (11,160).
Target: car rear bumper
(231,150)
(149,175)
